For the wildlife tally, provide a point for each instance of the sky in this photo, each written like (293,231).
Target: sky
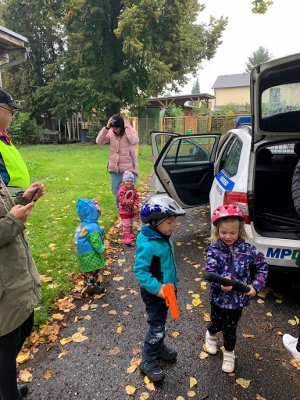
(278,31)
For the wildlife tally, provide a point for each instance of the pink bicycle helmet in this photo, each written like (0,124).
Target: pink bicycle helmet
(229,210)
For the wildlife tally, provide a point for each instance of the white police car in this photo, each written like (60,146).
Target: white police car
(250,167)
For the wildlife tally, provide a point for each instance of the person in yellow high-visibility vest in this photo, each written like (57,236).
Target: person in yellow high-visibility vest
(13,169)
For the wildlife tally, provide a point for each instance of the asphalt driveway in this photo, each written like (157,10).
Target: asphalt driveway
(114,327)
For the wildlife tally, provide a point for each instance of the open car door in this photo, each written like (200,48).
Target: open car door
(185,167)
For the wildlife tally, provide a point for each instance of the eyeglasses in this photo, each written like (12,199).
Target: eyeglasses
(8,109)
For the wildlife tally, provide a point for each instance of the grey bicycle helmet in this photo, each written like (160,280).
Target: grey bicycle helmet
(159,208)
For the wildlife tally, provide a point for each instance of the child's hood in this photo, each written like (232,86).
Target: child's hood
(87,211)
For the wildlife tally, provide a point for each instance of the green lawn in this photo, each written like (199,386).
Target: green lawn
(68,173)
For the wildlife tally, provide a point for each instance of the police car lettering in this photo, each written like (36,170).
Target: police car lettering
(282,253)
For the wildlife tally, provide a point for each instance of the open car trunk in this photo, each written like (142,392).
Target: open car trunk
(274,213)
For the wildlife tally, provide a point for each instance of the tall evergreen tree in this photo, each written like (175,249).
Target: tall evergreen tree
(196,87)
(257,57)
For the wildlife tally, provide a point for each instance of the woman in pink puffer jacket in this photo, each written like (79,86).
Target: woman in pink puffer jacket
(122,138)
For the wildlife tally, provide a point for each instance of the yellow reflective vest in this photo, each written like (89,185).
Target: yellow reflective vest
(13,169)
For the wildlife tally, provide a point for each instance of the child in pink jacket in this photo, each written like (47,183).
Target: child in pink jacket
(128,205)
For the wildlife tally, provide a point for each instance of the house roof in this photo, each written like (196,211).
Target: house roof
(13,48)
(179,100)
(232,81)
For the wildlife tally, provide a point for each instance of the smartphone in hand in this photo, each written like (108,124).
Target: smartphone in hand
(34,193)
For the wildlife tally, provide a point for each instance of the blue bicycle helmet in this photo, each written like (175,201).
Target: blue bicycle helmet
(159,208)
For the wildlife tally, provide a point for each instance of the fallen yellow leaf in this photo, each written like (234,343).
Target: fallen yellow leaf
(63,353)
(130,389)
(203,354)
(269,314)
(257,356)
(191,393)
(196,302)
(175,334)
(292,322)
(23,357)
(243,382)
(25,375)
(131,369)
(66,340)
(144,396)
(78,337)
(193,382)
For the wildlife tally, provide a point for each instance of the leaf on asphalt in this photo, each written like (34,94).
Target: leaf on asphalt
(121,261)
(248,336)
(260,301)
(130,389)
(279,333)
(278,301)
(129,305)
(63,353)
(47,374)
(87,317)
(99,296)
(258,356)
(78,337)
(64,304)
(118,278)
(178,244)
(189,307)
(175,334)
(120,288)
(112,312)
(120,329)
(196,302)
(193,382)
(23,356)
(123,296)
(203,285)
(126,312)
(114,351)
(131,369)
(206,317)
(150,386)
(292,322)
(106,273)
(269,314)
(297,319)
(179,398)
(258,397)
(94,306)
(203,354)
(105,305)
(25,375)
(57,317)
(85,307)
(66,340)
(196,265)
(243,382)
(295,363)
(81,329)
(146,380)
(191,393)
(144,396)
(132,291)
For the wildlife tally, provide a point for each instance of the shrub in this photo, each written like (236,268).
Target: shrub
(24,130)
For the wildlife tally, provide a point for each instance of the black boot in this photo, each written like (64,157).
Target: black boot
(95,290)
(23,389)
(151,368)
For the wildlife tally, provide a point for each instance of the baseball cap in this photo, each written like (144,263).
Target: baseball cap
(7,99)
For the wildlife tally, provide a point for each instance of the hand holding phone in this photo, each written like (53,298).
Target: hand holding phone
(34,193)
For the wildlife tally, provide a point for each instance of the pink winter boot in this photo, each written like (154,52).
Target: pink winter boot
(131,235)
(127,239)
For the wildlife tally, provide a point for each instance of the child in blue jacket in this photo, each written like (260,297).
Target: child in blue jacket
(155,267)
(231,257)
(89,241)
